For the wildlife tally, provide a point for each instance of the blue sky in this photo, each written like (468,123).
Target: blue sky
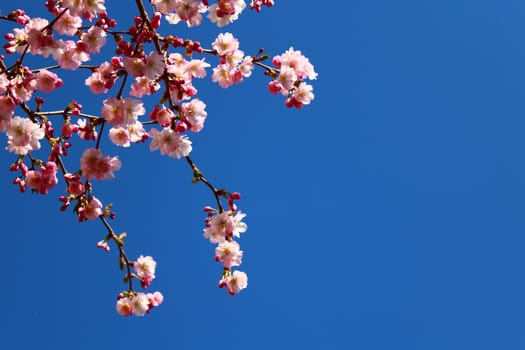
(388,214)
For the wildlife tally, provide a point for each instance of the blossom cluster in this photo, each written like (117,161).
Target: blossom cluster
(139,303)
(144,63)
(222,227)
(293,69)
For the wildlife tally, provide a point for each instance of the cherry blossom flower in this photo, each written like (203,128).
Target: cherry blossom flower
(164,116)
(47,81)
(196,68)
(45,179)
(69,55)
(86,8)
(195,113)
(86,131)
(165,6)
(303,93)
(225,44)
(154,65)
(188,11)
(124,307)
(7,107)
(140,304)
(23,135)
(229,254)
(234,283)
(226,75)
(40,42)
(155,299)
(67,24)
(122,112)
(94,165)
(135,66)
(144,86)
(94,39)
(91,210)
(120,136)
(22,88)
(102,79)
(224,225)
(295,60)
(170,143)
(226,11)
(145,269)
(74,184)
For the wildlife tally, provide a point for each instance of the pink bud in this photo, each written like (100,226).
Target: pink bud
(181,126)
(235,195)
(274,87)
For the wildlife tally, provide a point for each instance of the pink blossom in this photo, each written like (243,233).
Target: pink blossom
(299,63)
(286,79)
(22,88)
(91,210)
(154,65)
(85,8)
(74,184)
(137,132)
(145,269)
(47,81)
(188,11)
(44,180)
(40,42)
(246,66)
(102,79)
(226,11)
(225,44)
(155,299)
(135,66)
(23,135)
(122,112)
(4,83)
(144,86)
(163,116)
(170,143)
(303,93)
(229,254)
(69,55)
(68,129)
(224,225)
(96,84)
(165,6)
(141,304)
(124,136)
(94,165)
(120,136)
(195,113)
(68,24)
(226,75)
(239,226)
(86,130)
(196,68)
(124,307)
(94,39)
(234,283)
(7,107)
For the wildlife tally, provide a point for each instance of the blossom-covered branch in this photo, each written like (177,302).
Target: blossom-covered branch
(145,62)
